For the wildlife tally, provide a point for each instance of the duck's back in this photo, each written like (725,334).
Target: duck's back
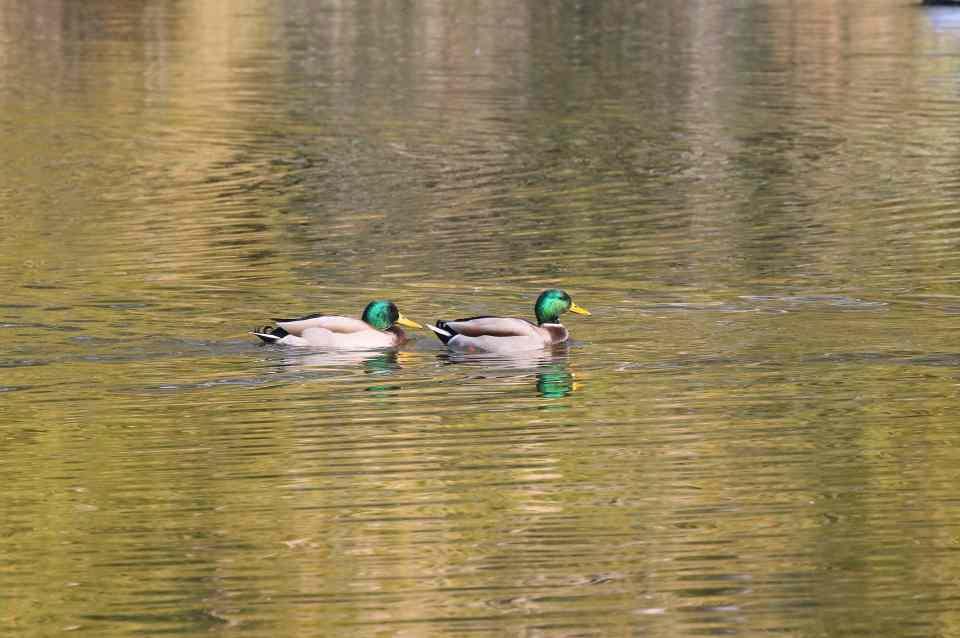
(499,334)
(368,339)
(332,323)
(490,327)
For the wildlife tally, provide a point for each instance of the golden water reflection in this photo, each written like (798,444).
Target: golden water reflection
(753,434)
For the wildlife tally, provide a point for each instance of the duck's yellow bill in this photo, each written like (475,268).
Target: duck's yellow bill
(403,321)
(580,310)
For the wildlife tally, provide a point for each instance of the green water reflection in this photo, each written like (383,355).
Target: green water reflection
(548,369)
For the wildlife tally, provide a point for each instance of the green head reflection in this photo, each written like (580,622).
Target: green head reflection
(555,381)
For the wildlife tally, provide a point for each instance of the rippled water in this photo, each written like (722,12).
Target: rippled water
(755,433)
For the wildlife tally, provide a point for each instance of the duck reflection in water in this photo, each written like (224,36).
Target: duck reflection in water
(339,363)
(372,361)
(551,368)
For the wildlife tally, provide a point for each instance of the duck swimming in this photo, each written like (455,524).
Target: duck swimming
(376,328)
(511,334)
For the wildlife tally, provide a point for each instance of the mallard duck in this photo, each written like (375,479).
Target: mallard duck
(376,328)
(510,334)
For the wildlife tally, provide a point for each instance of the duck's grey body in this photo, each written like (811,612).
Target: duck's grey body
(498,334)
(341,333)
(332,323)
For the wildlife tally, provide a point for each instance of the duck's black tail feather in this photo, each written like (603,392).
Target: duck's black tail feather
(443,332)
(271,334)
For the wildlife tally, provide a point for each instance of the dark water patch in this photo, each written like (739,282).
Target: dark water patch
(832,301)
(43,287)
(119,305)
(23,363)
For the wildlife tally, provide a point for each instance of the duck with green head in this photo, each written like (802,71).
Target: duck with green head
(511,334)
(376,328)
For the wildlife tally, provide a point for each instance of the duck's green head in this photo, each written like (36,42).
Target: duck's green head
(553,303)
(382,314)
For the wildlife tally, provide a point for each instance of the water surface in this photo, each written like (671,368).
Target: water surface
(754,433)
